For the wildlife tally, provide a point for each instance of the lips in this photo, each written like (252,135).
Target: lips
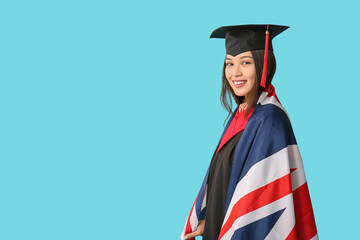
(239,83)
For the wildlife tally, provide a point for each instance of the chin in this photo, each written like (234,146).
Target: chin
(239,94)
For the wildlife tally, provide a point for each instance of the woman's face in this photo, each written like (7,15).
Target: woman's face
(240,72)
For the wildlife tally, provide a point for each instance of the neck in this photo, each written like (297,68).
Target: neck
(242,106)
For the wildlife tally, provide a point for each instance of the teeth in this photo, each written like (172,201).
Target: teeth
(238,82)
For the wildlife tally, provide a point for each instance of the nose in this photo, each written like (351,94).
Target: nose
(237,71)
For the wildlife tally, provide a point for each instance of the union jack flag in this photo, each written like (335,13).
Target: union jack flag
(268,196)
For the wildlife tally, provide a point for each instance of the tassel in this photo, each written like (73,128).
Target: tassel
(264,73)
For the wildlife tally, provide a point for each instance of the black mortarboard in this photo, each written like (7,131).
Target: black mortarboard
(242,38)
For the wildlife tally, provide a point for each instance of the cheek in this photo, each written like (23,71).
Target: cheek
(253,76)
(229,82)
(227,73)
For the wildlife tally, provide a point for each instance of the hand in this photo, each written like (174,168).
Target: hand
(199,230)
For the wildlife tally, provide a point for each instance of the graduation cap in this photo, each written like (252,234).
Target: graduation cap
(243,38)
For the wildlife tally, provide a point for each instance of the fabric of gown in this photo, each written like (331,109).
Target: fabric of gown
(219,177)
(268,164)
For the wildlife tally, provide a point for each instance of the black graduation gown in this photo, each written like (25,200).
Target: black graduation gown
(218,182)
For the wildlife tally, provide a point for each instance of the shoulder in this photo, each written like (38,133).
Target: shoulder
(271,115)
(271,122)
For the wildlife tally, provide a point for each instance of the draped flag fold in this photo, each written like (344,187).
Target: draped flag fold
(268,196)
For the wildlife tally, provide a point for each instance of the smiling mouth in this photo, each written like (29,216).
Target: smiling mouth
(239,83)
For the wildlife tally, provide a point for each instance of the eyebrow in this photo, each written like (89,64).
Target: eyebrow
(240,58)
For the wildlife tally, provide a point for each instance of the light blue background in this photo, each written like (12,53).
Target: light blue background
(110,111)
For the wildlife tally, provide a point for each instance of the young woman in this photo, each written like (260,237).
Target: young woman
(255,186)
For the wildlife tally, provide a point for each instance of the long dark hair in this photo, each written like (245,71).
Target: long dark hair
(227,92)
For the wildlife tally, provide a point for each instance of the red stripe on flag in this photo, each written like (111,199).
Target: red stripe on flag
(304,215)
(258,198)
(188,225)
(292,235)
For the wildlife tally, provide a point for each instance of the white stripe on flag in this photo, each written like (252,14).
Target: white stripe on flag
(287,223)
(297,176)
(193,222)
(203,204)
(270,169)
(264,99)
(316,237)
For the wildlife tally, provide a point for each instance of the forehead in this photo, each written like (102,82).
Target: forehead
(240,55)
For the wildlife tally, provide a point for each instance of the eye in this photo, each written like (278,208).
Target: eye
(246,63)
(228,64)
